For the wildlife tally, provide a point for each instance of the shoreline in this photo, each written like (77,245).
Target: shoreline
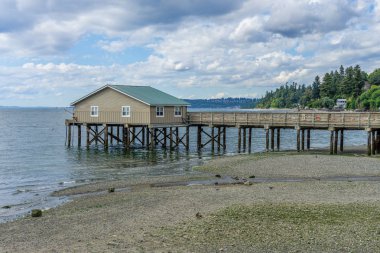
(133,217)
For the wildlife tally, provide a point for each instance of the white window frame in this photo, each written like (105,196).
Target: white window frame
(129,111)
(158,111)
(94,108)
(179,110)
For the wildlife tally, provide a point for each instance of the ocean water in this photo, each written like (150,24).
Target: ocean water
(34,160)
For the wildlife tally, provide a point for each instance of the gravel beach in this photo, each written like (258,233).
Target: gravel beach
(284,216)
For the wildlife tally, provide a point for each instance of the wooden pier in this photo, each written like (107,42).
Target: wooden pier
(115,130)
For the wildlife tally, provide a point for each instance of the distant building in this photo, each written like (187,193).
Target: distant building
(134,105)
(341,103)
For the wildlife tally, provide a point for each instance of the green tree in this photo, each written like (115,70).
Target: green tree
(374,77)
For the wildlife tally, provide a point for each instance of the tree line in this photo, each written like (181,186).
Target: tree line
(361,90)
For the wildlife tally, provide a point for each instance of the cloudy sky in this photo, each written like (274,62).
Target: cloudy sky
(53,51)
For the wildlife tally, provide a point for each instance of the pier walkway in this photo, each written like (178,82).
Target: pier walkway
(109,130)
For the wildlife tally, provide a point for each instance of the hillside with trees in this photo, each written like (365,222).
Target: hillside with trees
(223,102)
(349,83)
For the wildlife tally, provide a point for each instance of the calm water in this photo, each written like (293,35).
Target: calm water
(34,161)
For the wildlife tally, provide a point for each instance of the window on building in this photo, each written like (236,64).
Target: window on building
(177,111)
(160,111)
(94,111)
(125,111)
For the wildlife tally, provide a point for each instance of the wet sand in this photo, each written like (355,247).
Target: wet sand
(142,217)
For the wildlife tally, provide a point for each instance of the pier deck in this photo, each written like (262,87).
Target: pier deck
(117,129)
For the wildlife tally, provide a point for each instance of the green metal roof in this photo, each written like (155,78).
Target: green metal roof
(149,95)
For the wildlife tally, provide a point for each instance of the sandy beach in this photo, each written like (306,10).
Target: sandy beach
(332,206)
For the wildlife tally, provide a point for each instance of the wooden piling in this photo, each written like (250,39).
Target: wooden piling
(373,149)
(88,129)
(219,144)
(212,139)
(187,138)
(79,135)
(266,139)
(244,138)
(199,137)
(331,142)
(369,135)
(165,135)
(378,141)
(96,134)
(239,139)
(177,136)
(118,133)
(153,135)
(303,139)
(105,132)
(272,139)
(143,136)
(224,137)
(171,137)
(69,135)
(336,141)
(308,139)
(341,140)
(250,139)
(298,140)
(278,138)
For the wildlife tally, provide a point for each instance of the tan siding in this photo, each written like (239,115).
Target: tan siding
(110,103)
(168,115)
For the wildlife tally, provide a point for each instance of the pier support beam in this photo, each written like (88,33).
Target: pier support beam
(272,139)
(212,139)
(88,129)
(244,139)
(369,142)
(219,139)
(341,140)
(105,135)
(298,139)
(308,139)
(266,139)
(336,142)
(69,136)
(239,139)
(278,138)
(249,139)
(199,137)
(378,141)
(331,142)
(303,139)
(224,137)
(373,149)
(79,135)
(187,138)
(153,136)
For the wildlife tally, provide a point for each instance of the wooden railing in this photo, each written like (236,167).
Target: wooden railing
(353,120)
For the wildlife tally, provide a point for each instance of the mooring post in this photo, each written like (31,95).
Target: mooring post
(88,129)
(249,139)
(373,143)
(199,137)
(212,138)
(239,139)
(278,138)
(187,138)
(272,139)
(298,139)
(266,139)
(79,135)
(69,135)
(105,135)
(341,140)
(308,139)
(336,141)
